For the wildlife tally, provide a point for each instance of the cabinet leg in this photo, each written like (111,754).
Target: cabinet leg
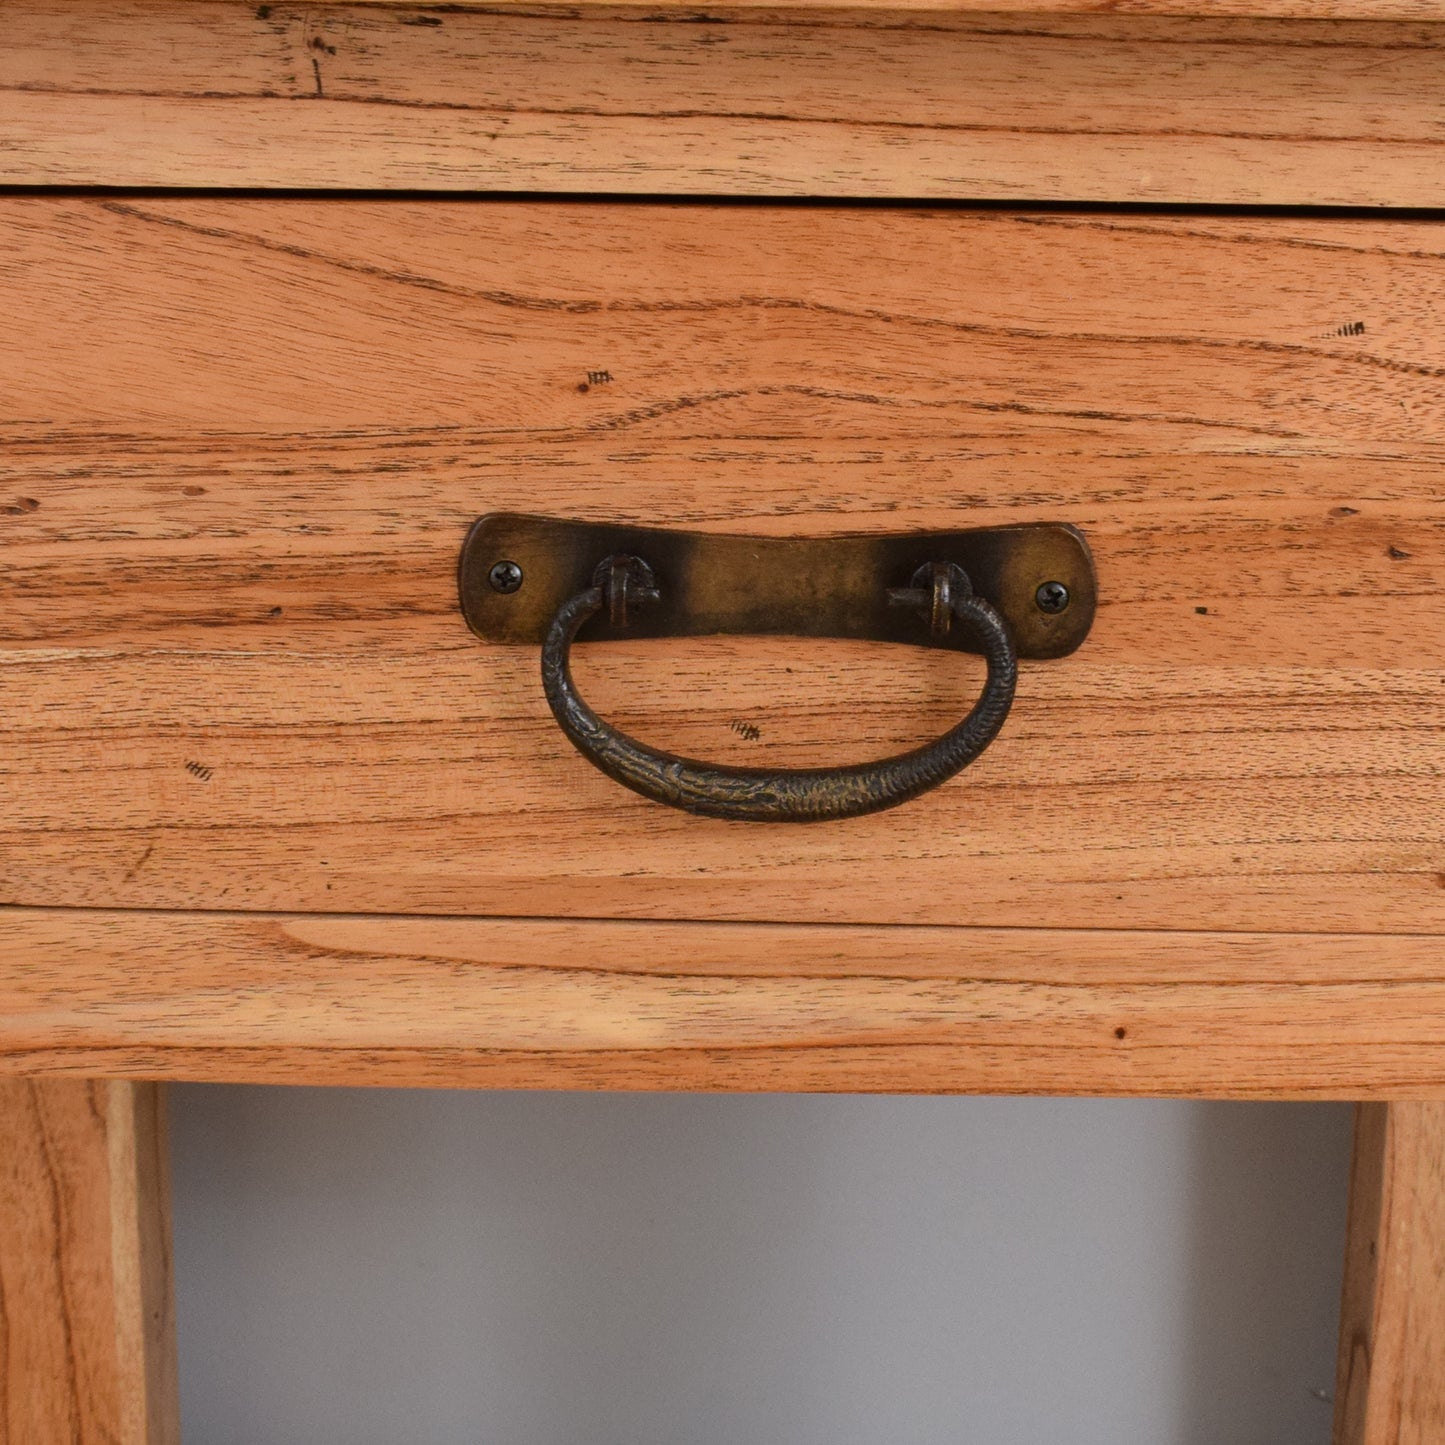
(87,1333)
(1391,1378)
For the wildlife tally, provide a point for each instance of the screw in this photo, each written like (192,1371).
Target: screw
(505,576)
(1051,597)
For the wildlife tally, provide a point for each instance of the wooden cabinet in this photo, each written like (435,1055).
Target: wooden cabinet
(271,812)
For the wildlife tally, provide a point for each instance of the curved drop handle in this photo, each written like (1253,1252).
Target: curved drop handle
(794,795)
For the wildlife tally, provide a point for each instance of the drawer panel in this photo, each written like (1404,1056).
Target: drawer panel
(243,440)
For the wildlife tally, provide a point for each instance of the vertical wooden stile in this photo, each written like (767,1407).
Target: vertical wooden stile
(1391,1383)
(87,1333)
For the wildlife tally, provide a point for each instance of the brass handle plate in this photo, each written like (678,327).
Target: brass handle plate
(710,582)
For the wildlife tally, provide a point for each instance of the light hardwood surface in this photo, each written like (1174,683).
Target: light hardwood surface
(1391,1388)
(862,9)
(533,1003)
(241,722)
(242,440)
(87,1348)
(745,102)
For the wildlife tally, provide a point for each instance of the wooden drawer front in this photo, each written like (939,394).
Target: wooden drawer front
(243,440)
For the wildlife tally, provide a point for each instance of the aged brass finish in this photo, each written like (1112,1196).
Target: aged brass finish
(688,583)
(805,586)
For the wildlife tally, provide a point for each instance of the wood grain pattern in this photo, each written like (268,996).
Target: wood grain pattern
(510,1003)
(863,103)
(242,442)
(861,11)
(1391,1388)
(87,1354)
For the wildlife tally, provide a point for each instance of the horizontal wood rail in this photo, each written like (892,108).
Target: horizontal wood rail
(1175,101)
(532,1003)
(861,10)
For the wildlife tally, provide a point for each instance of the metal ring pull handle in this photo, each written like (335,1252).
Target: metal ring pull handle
(941,594)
